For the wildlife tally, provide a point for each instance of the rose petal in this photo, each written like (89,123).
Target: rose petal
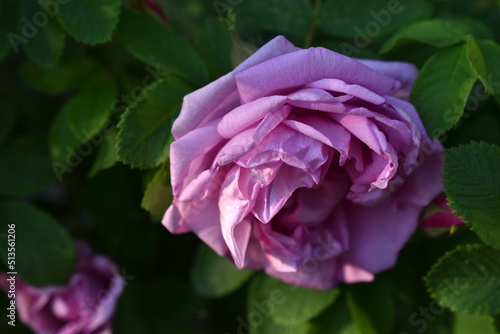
(197,189)
(243,116)
(219,96)
(376,235)
(405,73)
(234,206)
(202,218)
(395,221)
(245,141)
(173,220)
(340,86)
(406,110)
(279,74)
(323,130)
(188,154)
(289,146)
(425,183)
(107,303)
(271,199)
(314,206)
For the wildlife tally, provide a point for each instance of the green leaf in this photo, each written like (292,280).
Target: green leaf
(44,252)
(68,75)
(336,319)
(264,325)
(81,118)
(161,315)
(144,129)
(467,324)
(127,319)
(90,21)
(366,20)
(496,321)
(286,304)
(288,17)
(46,47)
(437,32)
(467,280)
(491,54)
(107,155)
(24,167)
(215,276)
(473,187)
(158,45)
(476,61)
(62,144)
(8,117)
(10,36)
(158,195)
(214,45)
(372,317)
(442,88)
(241,50)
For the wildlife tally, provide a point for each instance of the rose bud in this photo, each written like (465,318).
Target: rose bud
(438,217)
(84,306)
(308,164)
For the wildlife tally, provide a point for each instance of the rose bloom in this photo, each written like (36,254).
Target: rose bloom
(305,163)
(84,306)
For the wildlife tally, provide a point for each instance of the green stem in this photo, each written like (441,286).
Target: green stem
(312,27)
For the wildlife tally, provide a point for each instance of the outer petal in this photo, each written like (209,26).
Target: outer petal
(407,110)
(314,275)
(188,155)
(202,218)
(421,187)
(217,97)
(405,73)
(173,220)
(377,233)
(282,73)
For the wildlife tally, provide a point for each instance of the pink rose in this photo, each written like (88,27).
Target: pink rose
(440,215)
(84,306)
(305,163)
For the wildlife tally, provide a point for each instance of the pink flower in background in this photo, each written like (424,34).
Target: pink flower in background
(441,215)
(305,163)
(84,306)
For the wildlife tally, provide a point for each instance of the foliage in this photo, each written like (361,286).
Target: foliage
(88,93)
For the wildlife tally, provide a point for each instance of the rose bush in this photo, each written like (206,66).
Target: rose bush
(84,306)
(305,163)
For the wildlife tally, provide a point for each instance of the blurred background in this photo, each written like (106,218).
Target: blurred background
(84,142)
